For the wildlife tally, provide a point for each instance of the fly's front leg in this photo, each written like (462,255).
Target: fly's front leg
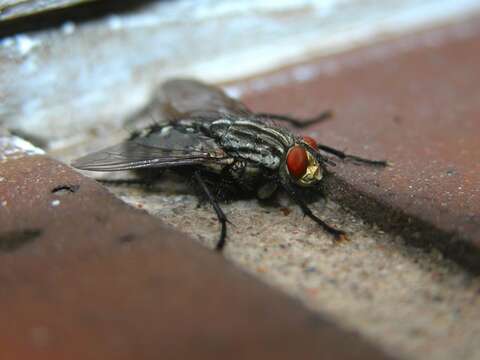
(218,210)
(337,234)
(340,154)
(297,122)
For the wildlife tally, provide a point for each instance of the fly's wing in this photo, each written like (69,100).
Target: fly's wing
(167,147)
(185,96)
(180,98)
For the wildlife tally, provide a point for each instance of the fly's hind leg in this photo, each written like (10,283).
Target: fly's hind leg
(299,123)
(342,155)
(218,210)
(337,234)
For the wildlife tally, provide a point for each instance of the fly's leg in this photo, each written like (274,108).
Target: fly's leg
(218,210)
(344,156)
(337,234)
(297,122)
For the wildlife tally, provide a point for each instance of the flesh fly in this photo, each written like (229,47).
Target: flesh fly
(225,148)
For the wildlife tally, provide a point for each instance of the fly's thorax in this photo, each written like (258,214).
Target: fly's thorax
(253,141)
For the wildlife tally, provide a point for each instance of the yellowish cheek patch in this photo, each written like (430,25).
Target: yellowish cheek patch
(313,173)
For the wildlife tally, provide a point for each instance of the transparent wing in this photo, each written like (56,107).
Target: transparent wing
(167,147)
(185,96)
(181,98)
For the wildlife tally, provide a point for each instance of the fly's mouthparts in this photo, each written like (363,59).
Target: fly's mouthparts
(313,173)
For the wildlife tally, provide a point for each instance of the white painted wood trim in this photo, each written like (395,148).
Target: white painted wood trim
(57,84)
(11,9)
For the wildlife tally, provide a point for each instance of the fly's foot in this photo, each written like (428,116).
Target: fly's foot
(340,237)
(298,123)
(222,219)
(362,161)
(355,159)
(201,201)
(223,235)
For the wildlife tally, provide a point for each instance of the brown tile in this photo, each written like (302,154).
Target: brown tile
(84,276)
(414,101)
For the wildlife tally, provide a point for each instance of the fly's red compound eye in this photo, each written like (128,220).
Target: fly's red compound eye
(310,141)
(297,161)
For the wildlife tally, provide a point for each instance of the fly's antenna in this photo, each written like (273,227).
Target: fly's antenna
(324,160)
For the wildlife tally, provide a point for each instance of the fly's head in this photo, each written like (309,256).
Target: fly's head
(304,166)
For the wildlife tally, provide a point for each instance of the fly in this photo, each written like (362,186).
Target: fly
(225,148)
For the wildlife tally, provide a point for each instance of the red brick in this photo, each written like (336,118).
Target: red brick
(84,276)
